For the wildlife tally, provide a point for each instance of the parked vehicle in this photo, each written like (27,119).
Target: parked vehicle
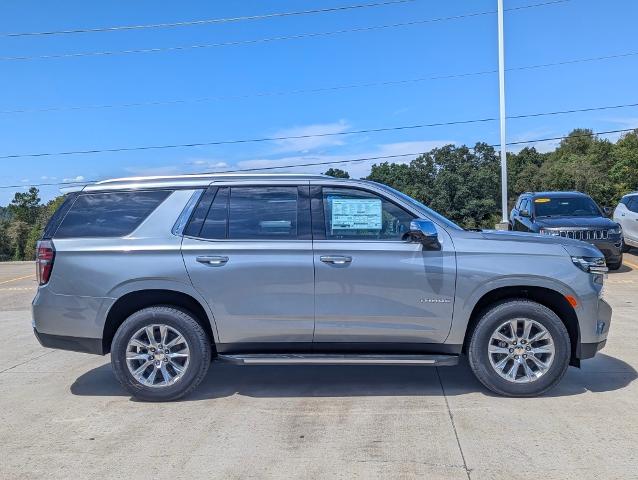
(569,215)
(626,215)
(166,273)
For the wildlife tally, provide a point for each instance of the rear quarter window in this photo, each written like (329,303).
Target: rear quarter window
(113,214)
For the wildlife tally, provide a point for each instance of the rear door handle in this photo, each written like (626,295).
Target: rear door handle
(213,261)
(336,259)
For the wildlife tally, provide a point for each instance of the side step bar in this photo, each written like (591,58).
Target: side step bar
(336,359)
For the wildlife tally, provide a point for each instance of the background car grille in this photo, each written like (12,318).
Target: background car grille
(578,234)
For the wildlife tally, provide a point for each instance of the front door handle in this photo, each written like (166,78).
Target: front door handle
(213,261)
(336,259)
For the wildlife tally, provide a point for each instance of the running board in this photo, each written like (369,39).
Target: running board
(332,359)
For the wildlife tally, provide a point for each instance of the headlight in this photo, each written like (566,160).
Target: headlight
(546,231)
(591,264)
(615,231)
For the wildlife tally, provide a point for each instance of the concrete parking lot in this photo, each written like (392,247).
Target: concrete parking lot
(63,415)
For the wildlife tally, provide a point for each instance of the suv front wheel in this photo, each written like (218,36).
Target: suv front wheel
(160,353)
(519,348)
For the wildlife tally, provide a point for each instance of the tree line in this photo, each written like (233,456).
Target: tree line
(460,182)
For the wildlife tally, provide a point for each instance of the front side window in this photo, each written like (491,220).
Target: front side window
(114,214)
(632,205)
(352,214)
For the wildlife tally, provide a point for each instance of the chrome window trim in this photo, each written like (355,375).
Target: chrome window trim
(187,211)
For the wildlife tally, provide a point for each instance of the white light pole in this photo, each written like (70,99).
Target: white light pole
(501,88)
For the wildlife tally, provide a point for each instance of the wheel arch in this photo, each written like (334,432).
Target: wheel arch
(545,296)
(136,300)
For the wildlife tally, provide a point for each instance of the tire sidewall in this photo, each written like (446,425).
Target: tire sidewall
(192,333)
(479,356)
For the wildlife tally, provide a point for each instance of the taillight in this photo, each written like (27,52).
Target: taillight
(44,260)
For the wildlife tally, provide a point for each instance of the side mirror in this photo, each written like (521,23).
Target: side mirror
(608,211)
(423,231)
(524,213)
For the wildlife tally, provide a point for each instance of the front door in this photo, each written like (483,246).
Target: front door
(248,251)
(371,286)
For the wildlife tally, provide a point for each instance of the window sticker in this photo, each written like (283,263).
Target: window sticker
(356,213)
(542,200)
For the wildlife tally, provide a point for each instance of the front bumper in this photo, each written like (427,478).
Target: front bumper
(611,249)
(597,341)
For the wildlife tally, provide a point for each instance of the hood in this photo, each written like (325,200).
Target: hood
(573,247)
(575,222)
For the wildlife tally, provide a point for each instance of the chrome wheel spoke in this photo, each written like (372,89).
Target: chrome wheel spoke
(163,334)
(151,336)
(138,343)
(501,364)
(529,374)
(178,368)
(539,336)
(181,354)
(502,338)
(542,367)
(520,359)
(140,370)
(151,378)
(542,349)
(165,375)
(527,328)
(176,341)
(497,349)
(149,364)
(136,356)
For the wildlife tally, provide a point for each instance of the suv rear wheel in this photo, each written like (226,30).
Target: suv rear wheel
(160,353)
(519,348)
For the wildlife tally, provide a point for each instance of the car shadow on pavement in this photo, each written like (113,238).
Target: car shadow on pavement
(601,374)
(624,268)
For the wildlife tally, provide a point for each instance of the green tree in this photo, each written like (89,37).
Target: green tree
(337,172)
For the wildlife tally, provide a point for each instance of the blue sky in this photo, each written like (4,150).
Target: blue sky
(553,33)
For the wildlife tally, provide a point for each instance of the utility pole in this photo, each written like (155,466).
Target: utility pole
(501,89)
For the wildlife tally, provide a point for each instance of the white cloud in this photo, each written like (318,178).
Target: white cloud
(304,145)
(78,178)
(529,135)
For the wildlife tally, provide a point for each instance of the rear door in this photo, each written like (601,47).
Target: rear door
(372,288)
(248,251)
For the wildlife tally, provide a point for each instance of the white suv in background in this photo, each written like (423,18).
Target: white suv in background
(626,215)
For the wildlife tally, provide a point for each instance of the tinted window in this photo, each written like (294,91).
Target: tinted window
(109,214)
(263,213)
(566,207)
(359,215)
(524,204)
(632,205)
(215,224)
(59,214)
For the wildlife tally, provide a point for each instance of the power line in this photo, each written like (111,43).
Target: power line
(268,39)
(315,135)
(275,93)
(206,21)
(337,162)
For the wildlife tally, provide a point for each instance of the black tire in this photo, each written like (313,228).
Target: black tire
(615,265)
(625,248)
(507,310)
(196,339)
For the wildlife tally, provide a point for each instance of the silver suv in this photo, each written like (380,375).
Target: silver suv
(168,273)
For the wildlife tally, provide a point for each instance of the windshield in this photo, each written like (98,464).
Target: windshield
(428,211)
(566,207)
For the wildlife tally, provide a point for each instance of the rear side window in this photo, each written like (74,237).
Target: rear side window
(251,213)
(58,215)
(263,213)
(113,214)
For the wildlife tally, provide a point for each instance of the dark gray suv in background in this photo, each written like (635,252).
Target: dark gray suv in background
(569,215)
(167,273)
